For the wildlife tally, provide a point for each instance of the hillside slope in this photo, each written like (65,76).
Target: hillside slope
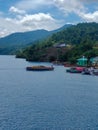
(80,39)
(15,41)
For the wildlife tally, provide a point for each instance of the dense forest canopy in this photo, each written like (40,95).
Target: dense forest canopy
(80,40)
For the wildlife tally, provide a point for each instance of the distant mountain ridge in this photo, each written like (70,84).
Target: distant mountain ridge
(22,39)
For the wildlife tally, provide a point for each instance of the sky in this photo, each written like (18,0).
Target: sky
(28,15)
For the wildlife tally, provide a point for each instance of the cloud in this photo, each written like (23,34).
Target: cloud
(40,21)
(28,22)
(89,1)
(19,20)
(8,26)
(37,17)
(16,10)
(78,7)
(33,4)
(69,6)
(21,16)
(90,17)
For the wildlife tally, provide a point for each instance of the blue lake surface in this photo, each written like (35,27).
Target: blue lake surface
(50,100)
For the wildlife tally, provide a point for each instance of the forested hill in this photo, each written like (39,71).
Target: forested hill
(79,40)
(77,34)
(15,41)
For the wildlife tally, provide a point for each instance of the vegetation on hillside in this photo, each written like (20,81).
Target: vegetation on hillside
(15,41)
(80,39)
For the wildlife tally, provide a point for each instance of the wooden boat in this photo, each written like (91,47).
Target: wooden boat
(39,68)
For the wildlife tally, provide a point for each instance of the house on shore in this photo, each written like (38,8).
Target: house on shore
(59,45)
(85,62)
(82,61)
(94,61)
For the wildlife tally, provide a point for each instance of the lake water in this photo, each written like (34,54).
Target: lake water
(51,100)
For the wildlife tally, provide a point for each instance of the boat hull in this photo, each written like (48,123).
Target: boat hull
(75,70)
(39,68)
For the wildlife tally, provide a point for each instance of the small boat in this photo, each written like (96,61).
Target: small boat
(75,70)
(86,72)
(40,68)
(90,71)
(95,72)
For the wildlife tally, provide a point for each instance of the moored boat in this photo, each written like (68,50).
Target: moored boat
(87,72)
(95,73)
(90,71)
(40,68)
(75,69)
